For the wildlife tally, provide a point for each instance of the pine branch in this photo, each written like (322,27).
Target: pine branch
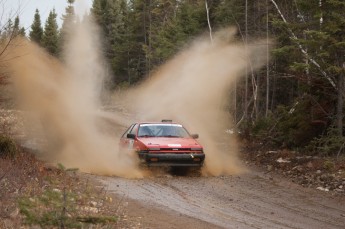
(304,52)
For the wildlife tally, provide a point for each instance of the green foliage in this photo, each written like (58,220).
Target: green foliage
(229,12)
(283,51)
(16,28)
(262,127)
(62,203)
(295,128)
(61,167)
(112,16)
(11,30)
(36,32)
(46,209)
(299,67)
(329,144)
(54,208)
(68,19)
(64,169)
(290,127)
(50,38)
(140,35)
(97,219)
(8,148)
(328,165)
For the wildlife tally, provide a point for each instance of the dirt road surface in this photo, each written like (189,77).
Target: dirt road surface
(252,200)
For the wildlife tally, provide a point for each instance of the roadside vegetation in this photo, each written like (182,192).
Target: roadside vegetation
(33,193)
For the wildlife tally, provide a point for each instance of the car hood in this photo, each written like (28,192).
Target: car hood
(170,142)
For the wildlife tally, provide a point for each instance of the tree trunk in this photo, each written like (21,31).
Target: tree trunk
(267,64)
(246,83)
(340,104)
(208,20)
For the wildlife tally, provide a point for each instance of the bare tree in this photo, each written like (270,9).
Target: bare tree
(246,47)
(8,32)
(267,64)
(208,20)
(304,51)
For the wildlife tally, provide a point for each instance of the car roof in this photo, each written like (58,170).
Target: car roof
(158,123)
(163,121)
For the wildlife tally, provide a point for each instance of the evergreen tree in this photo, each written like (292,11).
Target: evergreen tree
(140,35)
(67,20)
(111,15)
(16,28)
(8,30)
(11,30)
(36,33)
(51,34)
(325,41)
(309,51)
(175,22)
(22,32)
(97,11)
(139,25)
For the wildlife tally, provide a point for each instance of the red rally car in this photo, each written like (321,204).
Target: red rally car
(163,144)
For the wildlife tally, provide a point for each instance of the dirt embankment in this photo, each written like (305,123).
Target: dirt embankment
(322,173)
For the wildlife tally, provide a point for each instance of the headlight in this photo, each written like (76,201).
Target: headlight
(196,149)
(154,148)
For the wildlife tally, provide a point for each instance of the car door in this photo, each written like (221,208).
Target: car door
(124,141)
(128,143)
(131,143)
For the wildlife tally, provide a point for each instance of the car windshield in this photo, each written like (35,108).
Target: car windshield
(162,130)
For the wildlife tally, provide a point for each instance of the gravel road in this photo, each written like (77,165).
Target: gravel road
(252,200)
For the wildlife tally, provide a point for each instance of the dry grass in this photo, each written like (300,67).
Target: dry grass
(32,193)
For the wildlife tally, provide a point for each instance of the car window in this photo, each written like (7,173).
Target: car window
(134,129)
(127,131)
(145,131)
(162,130)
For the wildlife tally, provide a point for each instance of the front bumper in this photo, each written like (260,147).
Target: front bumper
(172,159)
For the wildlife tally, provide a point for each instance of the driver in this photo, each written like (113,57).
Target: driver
(144,131)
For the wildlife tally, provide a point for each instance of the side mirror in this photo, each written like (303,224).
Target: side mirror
(131,136)
(195,136)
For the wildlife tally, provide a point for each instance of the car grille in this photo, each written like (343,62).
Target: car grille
(176,150)
(173,150)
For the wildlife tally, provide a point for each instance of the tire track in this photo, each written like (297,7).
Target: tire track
(247,201)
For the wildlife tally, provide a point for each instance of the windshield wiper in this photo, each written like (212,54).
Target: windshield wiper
(171,136)
(146,136)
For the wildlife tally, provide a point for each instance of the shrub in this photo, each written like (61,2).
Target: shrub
(8,148)
(289,126)
(329,144)
(328,165)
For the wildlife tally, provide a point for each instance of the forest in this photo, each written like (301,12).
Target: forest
(296,101)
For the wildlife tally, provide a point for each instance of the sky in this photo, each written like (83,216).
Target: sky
(25,9)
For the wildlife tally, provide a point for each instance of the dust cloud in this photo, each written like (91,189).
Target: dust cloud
(64,97)
(193,88)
